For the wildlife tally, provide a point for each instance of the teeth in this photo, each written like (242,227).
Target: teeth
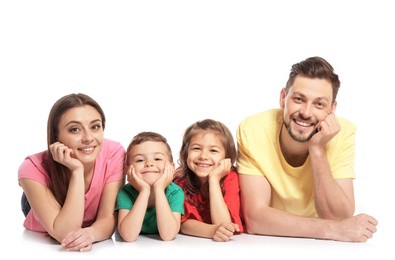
(302,123)
(87,149)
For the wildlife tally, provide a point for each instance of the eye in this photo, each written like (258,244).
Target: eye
(297,100)
(321,105)
(74,130)
(96,127)
(214,151)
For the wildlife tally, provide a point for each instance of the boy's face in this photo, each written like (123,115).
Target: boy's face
(148,160)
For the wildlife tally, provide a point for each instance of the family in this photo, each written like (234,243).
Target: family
(289,173)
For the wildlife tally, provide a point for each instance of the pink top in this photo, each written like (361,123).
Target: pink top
(108,168)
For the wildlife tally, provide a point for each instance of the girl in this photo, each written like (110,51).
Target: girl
(210,182)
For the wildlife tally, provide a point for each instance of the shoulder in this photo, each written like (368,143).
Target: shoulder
(346,124)
(271,116)
(111,147)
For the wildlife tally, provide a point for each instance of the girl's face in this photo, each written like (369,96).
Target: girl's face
(81,130)
(204,153)
(148,160)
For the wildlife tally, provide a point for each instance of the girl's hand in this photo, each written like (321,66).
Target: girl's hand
(221,170)
(225,231)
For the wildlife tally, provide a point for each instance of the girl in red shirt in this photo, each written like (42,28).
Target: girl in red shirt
(210,182)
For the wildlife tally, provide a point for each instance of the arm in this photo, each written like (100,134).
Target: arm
(262,219)
(334,199)
(57,221)
(130,222)
(218,209)
(218,232)
(168,222)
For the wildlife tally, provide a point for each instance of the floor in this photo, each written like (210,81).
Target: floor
(243,245)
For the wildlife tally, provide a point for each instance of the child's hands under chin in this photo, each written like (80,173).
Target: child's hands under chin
(221,170)
(166,178)
(134,180)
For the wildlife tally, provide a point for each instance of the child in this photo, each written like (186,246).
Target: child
(150,203)
(210,182)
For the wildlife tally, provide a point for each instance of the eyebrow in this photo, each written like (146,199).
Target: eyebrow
(297,93)
(78,122)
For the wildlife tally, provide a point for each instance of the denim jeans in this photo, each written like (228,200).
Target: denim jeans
(25,204)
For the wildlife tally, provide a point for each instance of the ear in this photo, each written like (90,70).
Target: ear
(334,105)
(283,94)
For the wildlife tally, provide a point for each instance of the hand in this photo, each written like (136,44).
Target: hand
(134,180)
(78,240)
(64,155)
(358,228)
(221,170)
(166,178)
(225,231)
(326,130)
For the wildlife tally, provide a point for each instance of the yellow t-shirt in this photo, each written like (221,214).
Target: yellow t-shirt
(292,187)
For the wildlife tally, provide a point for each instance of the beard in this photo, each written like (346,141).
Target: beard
(298,136)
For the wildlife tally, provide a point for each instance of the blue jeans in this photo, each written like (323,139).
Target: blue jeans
(25,204)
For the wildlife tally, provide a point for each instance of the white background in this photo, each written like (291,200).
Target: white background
(162,65)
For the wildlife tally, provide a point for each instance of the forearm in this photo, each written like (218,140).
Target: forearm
(218,209)
(168,224)
(129,226)
(274,222)
(194,227)
(71,214)
(103,228)
(331,200)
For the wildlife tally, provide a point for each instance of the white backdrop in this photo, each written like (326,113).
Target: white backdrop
(161,65)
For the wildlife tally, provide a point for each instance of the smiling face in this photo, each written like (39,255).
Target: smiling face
(204,153)
(148,160)
(80,129)
(306,104)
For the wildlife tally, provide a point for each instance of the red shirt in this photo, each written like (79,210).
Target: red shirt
(201,212)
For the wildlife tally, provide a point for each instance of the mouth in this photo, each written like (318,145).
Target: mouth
(303,123)
(86,149)
(203,165)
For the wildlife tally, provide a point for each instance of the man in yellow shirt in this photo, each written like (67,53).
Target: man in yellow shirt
(296,163)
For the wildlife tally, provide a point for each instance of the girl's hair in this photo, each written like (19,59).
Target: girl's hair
(143,137)
(315,67)
(58,173)
(184,173)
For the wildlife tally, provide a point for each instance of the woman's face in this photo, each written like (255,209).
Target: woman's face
(81,130)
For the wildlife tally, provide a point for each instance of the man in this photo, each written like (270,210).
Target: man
(296,163)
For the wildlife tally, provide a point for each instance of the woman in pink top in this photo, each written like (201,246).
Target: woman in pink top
(210,182)
(72,186)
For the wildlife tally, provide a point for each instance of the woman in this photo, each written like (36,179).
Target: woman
(72,186)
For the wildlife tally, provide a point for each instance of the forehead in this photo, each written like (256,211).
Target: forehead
(207,137)
(80,114)
(149,147)
(312,88)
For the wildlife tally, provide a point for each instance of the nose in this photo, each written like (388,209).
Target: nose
(202,155)
(87,137)
(305,111)
(148,163)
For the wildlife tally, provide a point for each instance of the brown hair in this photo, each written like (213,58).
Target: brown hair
(58,173)
(149,136)
(315,67)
